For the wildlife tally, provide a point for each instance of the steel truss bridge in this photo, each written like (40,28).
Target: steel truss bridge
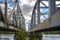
(17,22)
(45,16)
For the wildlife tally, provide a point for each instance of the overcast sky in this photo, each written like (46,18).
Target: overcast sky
(27,7)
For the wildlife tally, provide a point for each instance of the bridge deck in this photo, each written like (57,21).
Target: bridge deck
(53,22)
(3,27)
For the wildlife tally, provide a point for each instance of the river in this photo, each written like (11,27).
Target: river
(51,37)
(6,36)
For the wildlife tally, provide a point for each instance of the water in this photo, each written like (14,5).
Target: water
(51,37)
(6,36)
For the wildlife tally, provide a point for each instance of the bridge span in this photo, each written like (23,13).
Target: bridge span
(49,24)
(46,17)
(12,20)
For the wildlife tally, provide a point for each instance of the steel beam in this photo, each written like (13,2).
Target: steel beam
(43,4)
(12,11)
(31,24)
(6,9)
(6,20)
(52,7)
(38,10)
(34,18)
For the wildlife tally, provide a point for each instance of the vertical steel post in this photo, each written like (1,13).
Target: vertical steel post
(34,18)
(6,9)
(6,21)
(17,14)
(51,7)
(38,12)
(14,19)
(31,24)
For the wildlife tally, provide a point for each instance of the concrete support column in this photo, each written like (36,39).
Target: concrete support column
(38,11)
(51,7)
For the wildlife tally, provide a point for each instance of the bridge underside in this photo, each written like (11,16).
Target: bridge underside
(49,24)
(7,29)
(57,28)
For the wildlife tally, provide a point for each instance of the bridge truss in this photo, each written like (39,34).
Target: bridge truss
(43,10)
(13,20)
